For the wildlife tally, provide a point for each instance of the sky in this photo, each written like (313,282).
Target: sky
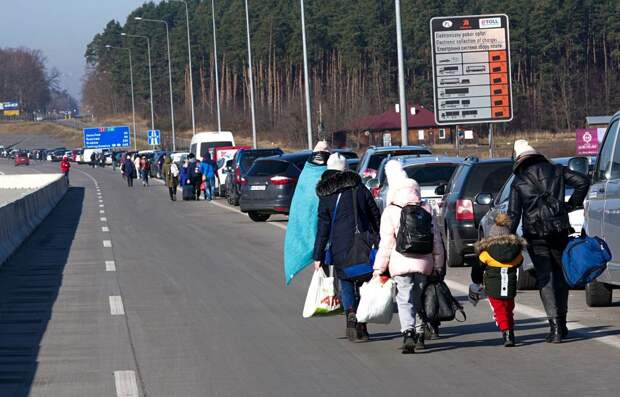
(61,29)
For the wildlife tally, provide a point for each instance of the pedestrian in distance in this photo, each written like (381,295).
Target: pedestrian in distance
(537,202)
(136,163)
(193,175)
(145,170)
(187,187)
(500,255)
(345,207)
(410,270)
(128,169)
(170,172)
(207,168)
(65,166)
(93,159)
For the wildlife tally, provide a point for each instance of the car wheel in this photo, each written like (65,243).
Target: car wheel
(525,280)
(258,217)
(229,198)
(598,294)
(453,259)
(235,198)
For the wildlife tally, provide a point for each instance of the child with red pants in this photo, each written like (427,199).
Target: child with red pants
(500,255)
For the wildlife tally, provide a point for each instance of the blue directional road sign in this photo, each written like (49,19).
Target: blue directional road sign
(107,137)
(154,137)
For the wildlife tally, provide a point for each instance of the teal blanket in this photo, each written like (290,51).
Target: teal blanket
(302,222)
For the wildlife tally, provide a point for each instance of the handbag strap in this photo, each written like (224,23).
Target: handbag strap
(331,227)
(354,195)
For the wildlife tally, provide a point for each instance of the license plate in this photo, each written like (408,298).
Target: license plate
(258,187)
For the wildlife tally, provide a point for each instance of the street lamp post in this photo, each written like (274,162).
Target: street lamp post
(401,78)
(148,52)
(133,102)
(306,77)
(189,52)
(247,25)
(174,144)
(217,78)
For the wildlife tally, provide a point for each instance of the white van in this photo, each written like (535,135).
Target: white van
(204,142)
(88,152)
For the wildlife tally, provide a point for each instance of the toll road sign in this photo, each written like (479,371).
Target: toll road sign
(106,137)
(154,137)
(471,69)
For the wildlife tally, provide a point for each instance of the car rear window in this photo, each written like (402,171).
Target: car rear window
(268,168)
(377,158)
(431,175)
(487,178)
(248,158)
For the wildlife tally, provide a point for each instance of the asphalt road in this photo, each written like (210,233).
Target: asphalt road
(205,313)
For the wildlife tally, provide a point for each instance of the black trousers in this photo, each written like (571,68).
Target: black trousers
(129,181)
(546,256)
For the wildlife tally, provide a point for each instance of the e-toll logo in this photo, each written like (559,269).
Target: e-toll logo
(471,69)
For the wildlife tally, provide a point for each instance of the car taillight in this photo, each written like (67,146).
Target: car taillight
(376,192)
(238,179)
(464,210)
(281,180)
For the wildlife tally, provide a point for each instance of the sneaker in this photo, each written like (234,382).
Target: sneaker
(509,338)
(409,342)
(419,344)
(351,326)
(362,332)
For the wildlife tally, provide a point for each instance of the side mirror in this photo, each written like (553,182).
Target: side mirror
(484,198)
(373,183)
(441,189)
(579,164)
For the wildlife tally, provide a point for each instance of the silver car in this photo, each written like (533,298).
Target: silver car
(428,171)
(500,204)
(602,213)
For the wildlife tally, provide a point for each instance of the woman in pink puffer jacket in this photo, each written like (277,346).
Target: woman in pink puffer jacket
(409,271)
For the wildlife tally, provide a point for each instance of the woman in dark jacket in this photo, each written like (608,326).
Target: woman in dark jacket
(129,171)
(336,194)
(537,200)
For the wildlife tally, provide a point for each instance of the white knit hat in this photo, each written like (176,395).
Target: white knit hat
(394,170)
(523,148)
(321,146)
(336,162)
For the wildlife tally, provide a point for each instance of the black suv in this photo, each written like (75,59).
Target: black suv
(465,201)
(241,164)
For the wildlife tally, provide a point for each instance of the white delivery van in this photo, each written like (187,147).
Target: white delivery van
(204,142)
(88,152)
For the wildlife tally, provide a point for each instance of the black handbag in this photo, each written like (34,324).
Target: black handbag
(438,304)
(360,260)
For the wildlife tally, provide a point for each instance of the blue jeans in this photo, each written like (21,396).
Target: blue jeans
(349,295)
(210,188)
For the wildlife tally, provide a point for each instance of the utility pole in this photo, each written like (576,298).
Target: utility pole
(491,143)
(217,78)
(250,73)
(133,102)
(404,129)
(189,53)
(306,77)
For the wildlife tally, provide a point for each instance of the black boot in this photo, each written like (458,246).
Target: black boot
(509,338)
(362,332)
(554,335)
(409,341)
(420,337)
(351,326)
(561,321)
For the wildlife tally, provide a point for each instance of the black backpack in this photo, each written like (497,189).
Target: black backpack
(546,214)
(415,234)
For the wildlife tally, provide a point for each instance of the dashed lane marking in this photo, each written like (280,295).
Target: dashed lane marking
(101,211)
(126,384)
(100,205)
(105,229)
(116,306)
(110,266)
(107,244)
(103,219)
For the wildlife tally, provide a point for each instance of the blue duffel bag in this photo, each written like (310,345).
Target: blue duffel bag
(584,259)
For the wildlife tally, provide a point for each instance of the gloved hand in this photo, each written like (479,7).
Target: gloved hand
(476,292)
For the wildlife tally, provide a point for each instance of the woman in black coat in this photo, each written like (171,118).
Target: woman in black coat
(336,194)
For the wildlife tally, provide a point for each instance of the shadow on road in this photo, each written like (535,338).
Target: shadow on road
(29,285)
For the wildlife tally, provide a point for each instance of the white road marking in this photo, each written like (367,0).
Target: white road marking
(116,306)
(532,312)
(126,384)
(105,229)
(100,205)
(103,219)
(101,201)
(101,211)
(107,244)
(110,266)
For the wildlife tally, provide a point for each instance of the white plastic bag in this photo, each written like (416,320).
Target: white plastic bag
(322,298)
(376,301)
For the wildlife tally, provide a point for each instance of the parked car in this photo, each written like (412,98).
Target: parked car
(602,213)
(371,160)
(269,185)
(429,171)
(239,167)
(465,202)
(499,203)
(204,142)
(179,157)
(21,158)
(221,155)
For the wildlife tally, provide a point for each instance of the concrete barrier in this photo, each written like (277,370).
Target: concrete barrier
(20,217)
